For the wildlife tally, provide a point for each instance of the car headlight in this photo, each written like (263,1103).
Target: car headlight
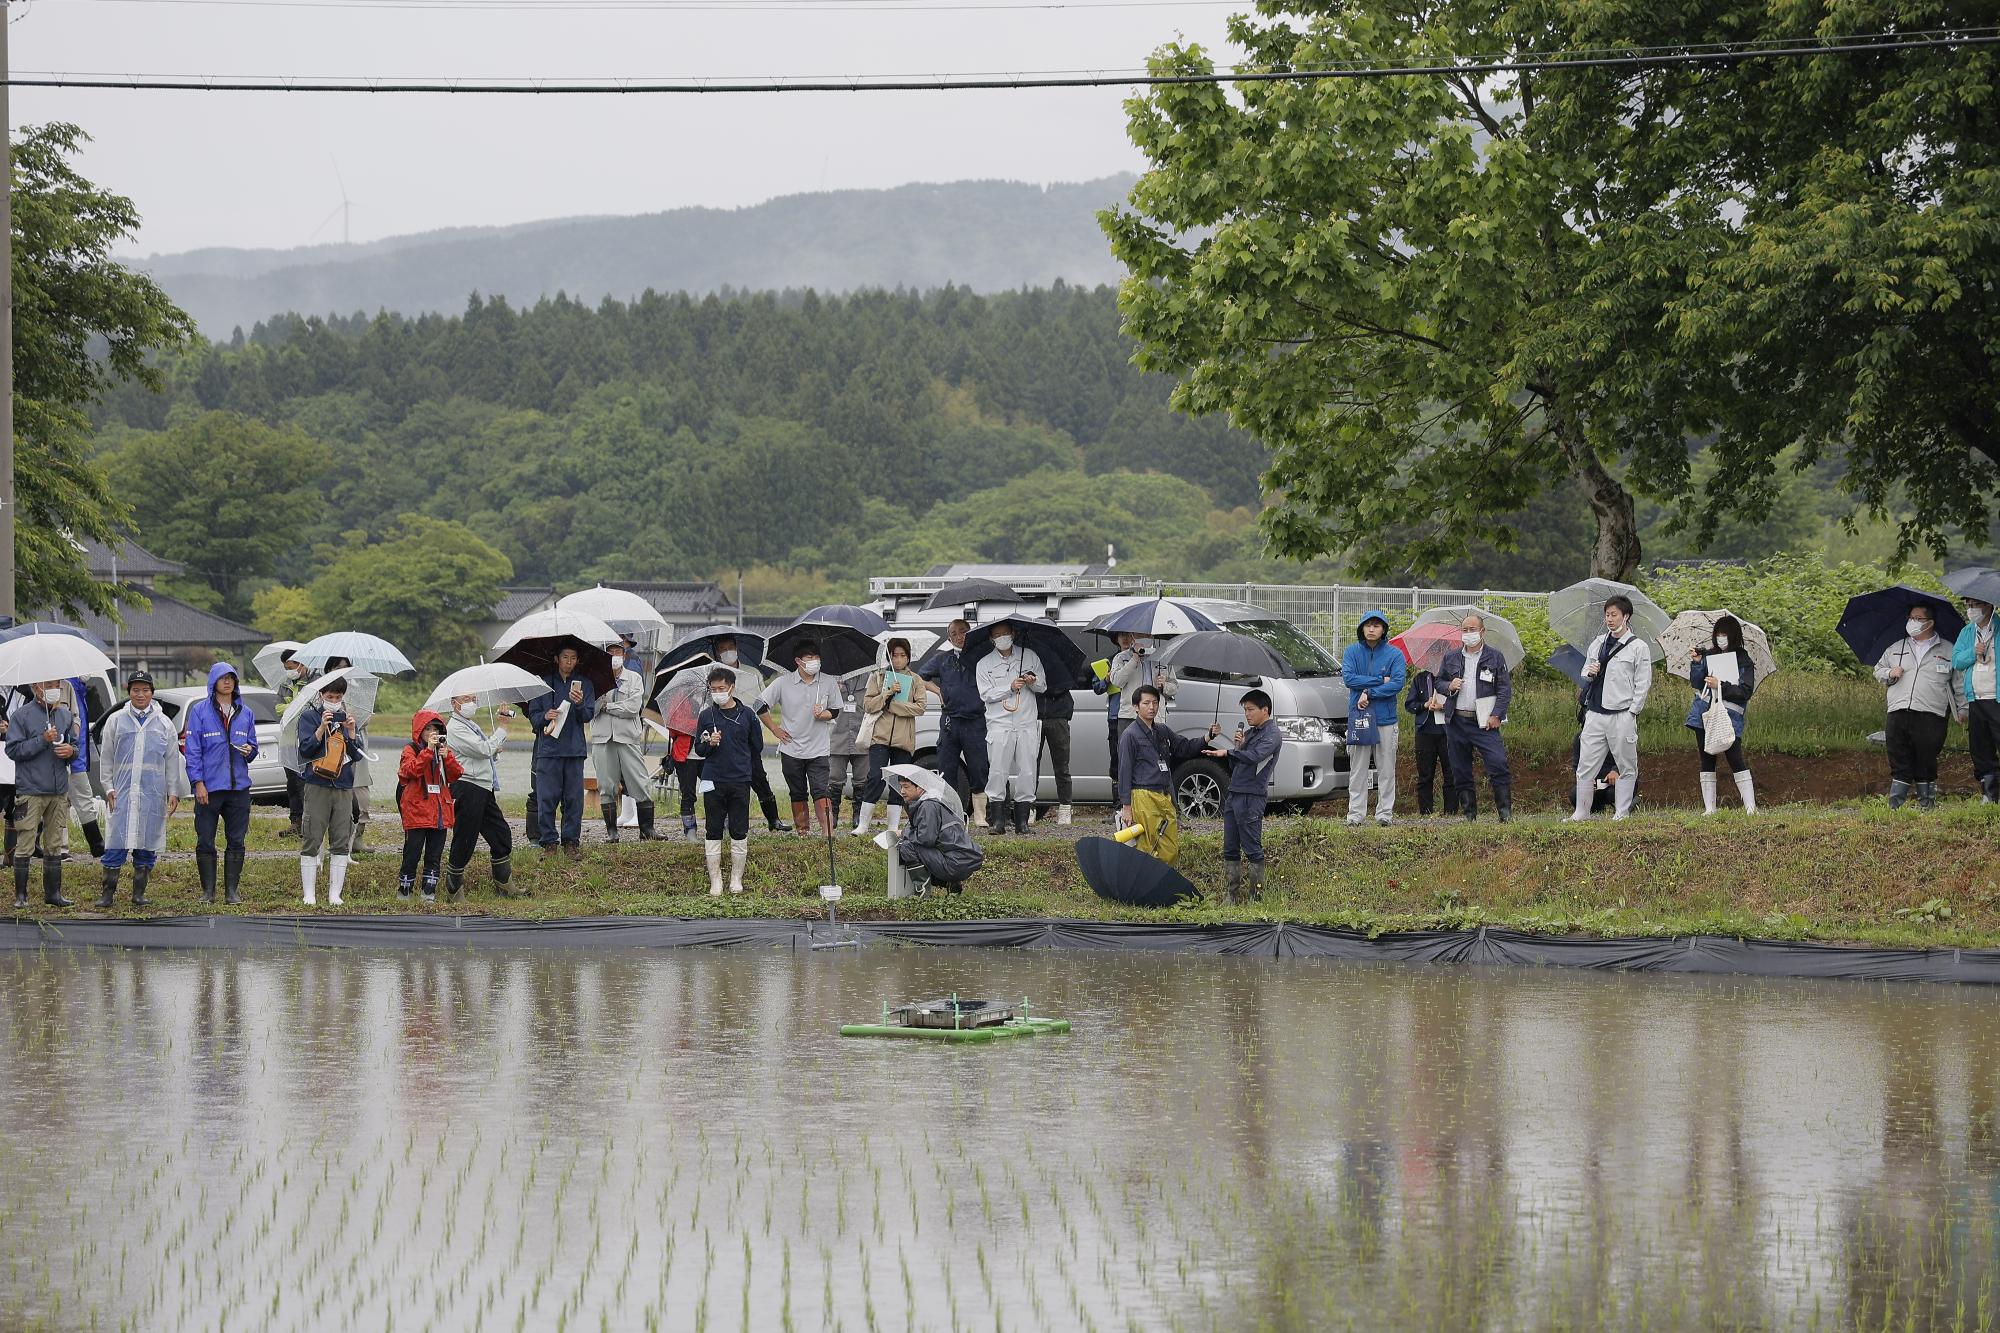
(1302,729)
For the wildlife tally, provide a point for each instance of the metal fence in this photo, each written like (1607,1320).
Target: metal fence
(1328,612)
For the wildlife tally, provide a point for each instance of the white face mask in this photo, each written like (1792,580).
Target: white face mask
(720,697)
(1980,615)
(334,709)
(617,662)
(1915,627)
(470,708)
(809,667)
(1473,638)
(1722,640)
(729,656)
(1002,642)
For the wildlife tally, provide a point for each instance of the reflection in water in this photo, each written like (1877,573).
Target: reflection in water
(429,1138)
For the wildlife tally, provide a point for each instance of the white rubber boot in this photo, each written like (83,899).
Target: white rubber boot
(864,821)
(1748,791)
(1708,793)
(1063,816)
(1626,789)
(739,856)
(1586,792)
(895,819)
(336,878)
(712,853)
(309,876)
(979,810)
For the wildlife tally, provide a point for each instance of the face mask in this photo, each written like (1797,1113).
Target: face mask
(1722,640)
(729,657)
(1473,638)
(1915,627)
(1980,616)
(335,710)
(1143,646)
(1002,642)
(617,664)
(720,697)
(469,708)
(809,667)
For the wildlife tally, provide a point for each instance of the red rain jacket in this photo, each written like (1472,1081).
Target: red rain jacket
(419,772)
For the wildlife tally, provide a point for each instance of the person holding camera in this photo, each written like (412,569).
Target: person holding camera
(327,740)
(729,744)
(559,716)
(42,739)
(1009,678)
(424,799)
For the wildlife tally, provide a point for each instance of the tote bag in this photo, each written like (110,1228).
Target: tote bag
(1718,733)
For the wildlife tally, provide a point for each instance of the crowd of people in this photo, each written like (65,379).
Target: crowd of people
(855,736)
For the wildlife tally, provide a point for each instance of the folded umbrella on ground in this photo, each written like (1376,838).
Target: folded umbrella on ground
(1126,875)
(1875,620)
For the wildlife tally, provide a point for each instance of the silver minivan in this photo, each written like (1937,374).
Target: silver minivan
(1311,710)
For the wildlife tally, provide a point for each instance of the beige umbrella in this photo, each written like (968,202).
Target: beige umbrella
(1696,629)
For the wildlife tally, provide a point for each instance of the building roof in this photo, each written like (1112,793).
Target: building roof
(1005,573)
(517,602)
(171,623)
(134,561)
(706,600)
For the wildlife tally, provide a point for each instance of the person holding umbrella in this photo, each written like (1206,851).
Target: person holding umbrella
(559,716)
(846,749)
(615,746)
(936,840)
(1916,669)
(1146,775)
(326,738)
(1430,709)
(961,744)
(1477,689)
(1618,675)
(729,744)
(1375,673)
(475,799)
(1973,659)
(723,649)
(144,780)
(1010,677)
(41,740)
(221,741)
(1733,696)
(1252,754)
(292,679)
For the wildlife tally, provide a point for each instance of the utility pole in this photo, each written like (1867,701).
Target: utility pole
(7,607)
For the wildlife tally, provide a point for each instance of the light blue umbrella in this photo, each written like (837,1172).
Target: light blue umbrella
(364,652)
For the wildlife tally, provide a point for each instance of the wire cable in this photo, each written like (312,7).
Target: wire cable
(1721,54)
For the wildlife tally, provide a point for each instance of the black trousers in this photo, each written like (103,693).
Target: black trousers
(1116,727)
(1915,740)
(1734,754)
(295,796)
(425,843)
(1434,757)
(726,808)
(478,815)
(687,776)
(1055,740)
(232,810)
(1982,735)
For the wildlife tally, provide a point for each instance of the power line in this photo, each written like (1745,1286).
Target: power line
(669,6)
(1719,53)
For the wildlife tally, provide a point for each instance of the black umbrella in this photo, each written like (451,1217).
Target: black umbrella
(1063,662)
(1874,620)
(967,591)
(697,645)
(1222,653)
(1127,875)
(846,635)
(1569,661)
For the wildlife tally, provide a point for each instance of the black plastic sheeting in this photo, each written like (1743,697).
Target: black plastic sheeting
(1486,946)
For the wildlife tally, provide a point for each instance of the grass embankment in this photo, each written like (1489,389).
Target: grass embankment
(1858,873)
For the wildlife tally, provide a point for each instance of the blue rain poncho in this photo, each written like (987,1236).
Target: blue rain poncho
(139,760)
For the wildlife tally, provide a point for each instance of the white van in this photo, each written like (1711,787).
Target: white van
(1311,710)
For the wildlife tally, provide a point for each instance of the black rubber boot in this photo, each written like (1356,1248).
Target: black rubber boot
(1989,789)
(836,809)
(93,837)
(1927,795)
(503,872)
(1899,792)
(232,876)
(140,874)
(1003,817)
(1503,801)
(454,884)
(204,864)
(430,886)
(1468,802)
(52,893)
(1254,874)
(1021,809)
(611,820)
(646,833)
(1232,881)
(405,885)
(109,894)
(21,883)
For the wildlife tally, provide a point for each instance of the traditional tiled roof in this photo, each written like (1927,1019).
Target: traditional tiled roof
(706,600)
(171,623)
(517,602)
(134,561)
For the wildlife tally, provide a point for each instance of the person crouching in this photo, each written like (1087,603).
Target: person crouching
(936,840)
(423,796)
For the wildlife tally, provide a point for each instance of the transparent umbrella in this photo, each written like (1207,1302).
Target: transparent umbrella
(360,701)
(28,658)
(626,612)
(1576,613)
(493,682)
(270,661)
(1500,632)
(363,651)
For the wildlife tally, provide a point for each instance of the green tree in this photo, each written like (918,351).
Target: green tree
(424,588)
(226,495)
(82,323)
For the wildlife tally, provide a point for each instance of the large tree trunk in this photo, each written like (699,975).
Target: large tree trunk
(1615,552)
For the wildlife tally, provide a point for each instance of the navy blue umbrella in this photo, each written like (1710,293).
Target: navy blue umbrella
(697,645)
(846,635)
(1874,620)
(1127,875)
(1063,663)
(1158,617)
(1569,661)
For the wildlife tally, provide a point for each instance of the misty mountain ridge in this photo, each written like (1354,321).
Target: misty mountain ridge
(988,236)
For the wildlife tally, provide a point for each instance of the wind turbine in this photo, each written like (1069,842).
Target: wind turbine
(341,211)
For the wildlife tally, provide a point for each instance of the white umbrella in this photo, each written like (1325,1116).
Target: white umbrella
(1696,629)
(38,656)
(932,782)
(269,661)
(1500,632)
(625,612)
(493,682)
(366,652)
(360,702)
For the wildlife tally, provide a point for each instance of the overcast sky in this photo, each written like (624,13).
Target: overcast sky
(257,169)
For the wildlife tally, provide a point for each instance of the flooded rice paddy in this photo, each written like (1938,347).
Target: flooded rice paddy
(430,1139)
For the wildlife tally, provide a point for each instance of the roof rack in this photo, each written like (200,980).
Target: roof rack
(923,585)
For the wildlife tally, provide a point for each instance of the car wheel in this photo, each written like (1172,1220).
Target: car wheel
(1198,789)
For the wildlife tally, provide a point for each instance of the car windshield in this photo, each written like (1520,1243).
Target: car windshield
(1284,638)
